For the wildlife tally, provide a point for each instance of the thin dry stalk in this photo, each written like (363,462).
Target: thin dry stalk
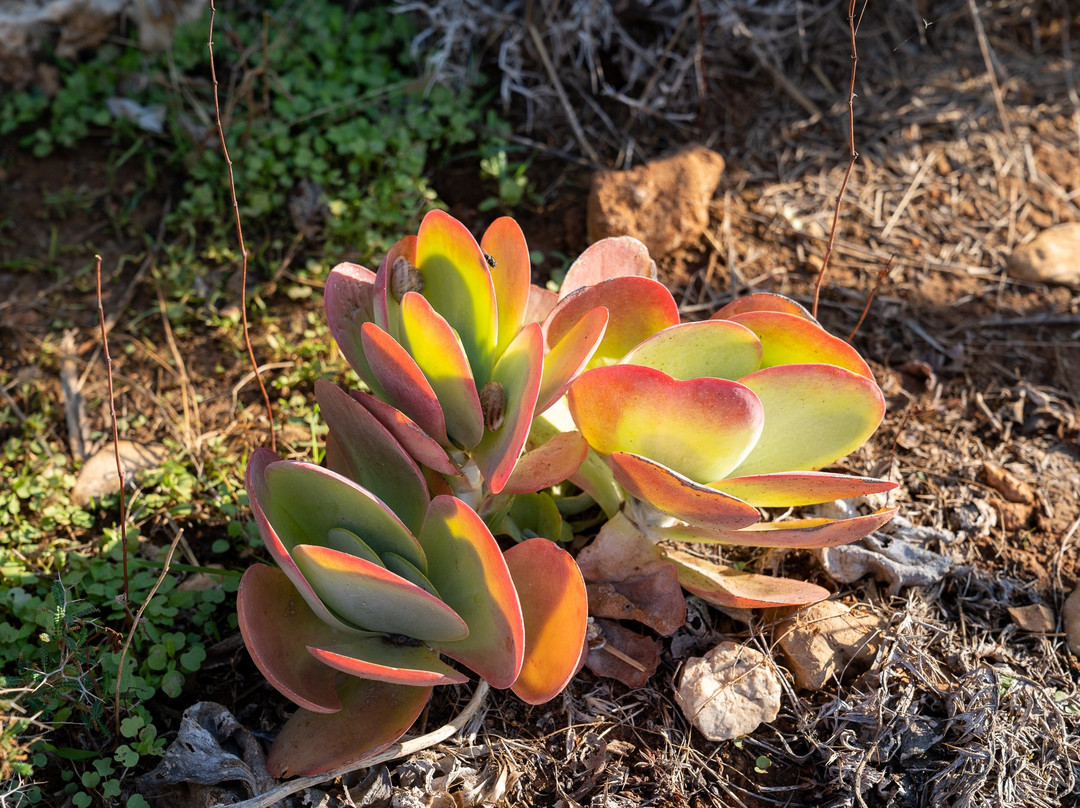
(239,235)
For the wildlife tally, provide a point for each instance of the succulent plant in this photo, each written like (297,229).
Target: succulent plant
(485,395)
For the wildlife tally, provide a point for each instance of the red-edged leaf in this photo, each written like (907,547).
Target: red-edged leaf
(458,284)
(469,570)
(387,307)
(277,625)
(404,382)
(511,275)
(814,415)
(373,716)
(700,428)
(569,356)
(787,339)
(417,443)
(548,464)
(794,533)
(518,371)
(734,589)
(786,489)
(439,353)
(763,301)
(371,597)
(718,348)
(608,258)
(554,608)
(637,308)
(382,660)
(541,302)
(371,457)
(348,300)
(673,494)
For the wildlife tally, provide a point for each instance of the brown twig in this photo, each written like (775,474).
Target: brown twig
(115,434)
(885,270)
(851,162)
(239,234)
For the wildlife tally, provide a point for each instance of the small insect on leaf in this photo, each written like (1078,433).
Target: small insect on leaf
(493,405)
(404,277)
(490,260)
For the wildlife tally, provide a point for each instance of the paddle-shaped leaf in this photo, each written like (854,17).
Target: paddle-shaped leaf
(417,443)
(384,660)
(457,282)
(403,381)
(548,464)
(735,589)
(392,277)
(511,275)
(673,494)
(814,415)
(700,428)
(763,301)
(788,339)
(793,533)
(554,607)
(608,258)
(277,625)
(439,354)
(518,371)
(785,489)
(637,308)
(371,597)
(470,573)
(373,716)
(718,348)
(371,456)
(349,303)
(569,356)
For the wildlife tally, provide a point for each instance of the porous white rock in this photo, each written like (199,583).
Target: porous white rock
(729,692)
(1053,256)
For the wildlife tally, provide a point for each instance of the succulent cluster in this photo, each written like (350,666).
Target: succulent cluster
(491,403)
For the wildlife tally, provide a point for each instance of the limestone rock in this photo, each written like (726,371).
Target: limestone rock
(729,692)
(664,203)
(824,640)
(98,475)
(1052,257)
(1070,614)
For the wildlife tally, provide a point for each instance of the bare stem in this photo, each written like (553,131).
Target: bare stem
(239,234)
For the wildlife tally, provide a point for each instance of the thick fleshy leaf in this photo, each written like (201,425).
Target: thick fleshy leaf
(371,597)
(700,428)
(792,534)
(373,716)
(535,515)
(304,502)
(790,488)
(349,302)
(735,589)
(417,443)
(569,356)
(371,456)
(637,309)
(763,301)
(408,571)
(541,302)
(511,275)
(440,355)
(277,625)
(814,415)
(718,348)
(387,306)
(673,494)
(458,284)
(383,660)
(554,608)
(403,381)
(594,475)
(548,464)
(608,258)
(345,541)
(787,339)
(518,371)
(470,573)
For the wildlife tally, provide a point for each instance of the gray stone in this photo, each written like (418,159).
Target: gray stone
(729,692)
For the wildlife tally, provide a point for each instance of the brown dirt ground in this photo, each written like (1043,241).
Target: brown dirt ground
(980,371)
